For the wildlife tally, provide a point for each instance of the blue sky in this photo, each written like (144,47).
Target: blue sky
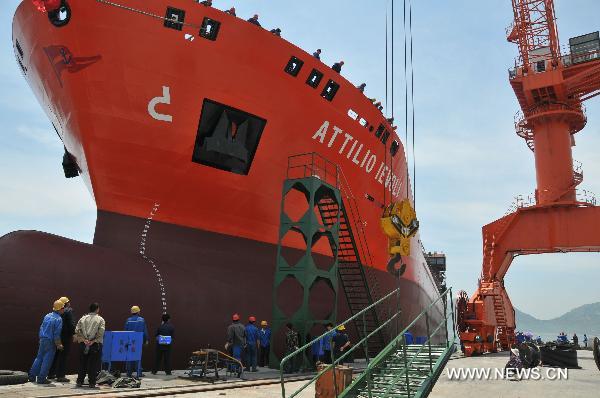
(470,163)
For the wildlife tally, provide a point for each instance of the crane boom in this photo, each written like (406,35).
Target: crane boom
(534,30)
(550,88)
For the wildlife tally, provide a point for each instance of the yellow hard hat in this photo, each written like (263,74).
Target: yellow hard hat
(135,309)
(65,300)
(263,323)
(341,328)
(58,305)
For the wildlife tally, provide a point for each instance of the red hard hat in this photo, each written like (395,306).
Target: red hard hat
(235,317)
(252,319)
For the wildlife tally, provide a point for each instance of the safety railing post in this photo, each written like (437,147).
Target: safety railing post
(428,342)
(452,310)
(335,387)
(366,342)
(369,382)
(398,307)
(445,300)
(282,381)
(404,354)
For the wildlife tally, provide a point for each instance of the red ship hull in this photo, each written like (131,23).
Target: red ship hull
(128,98)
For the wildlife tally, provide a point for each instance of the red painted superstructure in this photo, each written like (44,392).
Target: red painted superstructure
(126,95)
(551,88)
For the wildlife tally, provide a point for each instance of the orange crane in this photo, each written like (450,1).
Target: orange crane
(551,86)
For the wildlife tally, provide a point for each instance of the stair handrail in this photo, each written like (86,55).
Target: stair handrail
(363,246)
(396,342)
(363,343)
(347,192)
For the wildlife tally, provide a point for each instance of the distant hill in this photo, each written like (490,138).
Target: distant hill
(584,319)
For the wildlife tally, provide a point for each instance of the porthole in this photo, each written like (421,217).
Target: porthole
(294,66)
(394,148)
(385,137)
(314,78)
(210,29)
(174,18)
(330,90)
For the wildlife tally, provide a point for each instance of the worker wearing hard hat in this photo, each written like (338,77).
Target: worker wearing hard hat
(340,343)
(236,338)
(264,339)
(328,342)
(252,343)
(135,323)
(49,341)
(58,368)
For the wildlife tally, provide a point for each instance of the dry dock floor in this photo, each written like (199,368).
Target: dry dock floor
(581,383)
(264,384)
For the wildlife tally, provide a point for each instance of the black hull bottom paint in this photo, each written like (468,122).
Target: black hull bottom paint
(206,278)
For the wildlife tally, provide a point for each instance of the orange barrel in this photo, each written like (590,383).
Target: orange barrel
(325,387)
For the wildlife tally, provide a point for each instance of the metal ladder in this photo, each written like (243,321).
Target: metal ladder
(357,288)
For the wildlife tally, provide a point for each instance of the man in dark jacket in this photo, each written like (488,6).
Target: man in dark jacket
(338,66)
(236,338)
(58,368)
(254,20)
(292,343)
(164,342)
(340,343)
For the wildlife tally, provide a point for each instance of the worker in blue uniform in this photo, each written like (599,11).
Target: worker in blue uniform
(135,323)
(265,343)
(49,342)
(327,343)
(252,343)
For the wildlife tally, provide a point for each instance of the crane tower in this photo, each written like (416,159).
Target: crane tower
(551,85)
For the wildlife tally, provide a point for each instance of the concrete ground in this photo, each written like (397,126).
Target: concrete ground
(581,383)
(264,384)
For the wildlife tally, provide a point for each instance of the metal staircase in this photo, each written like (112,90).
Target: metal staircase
(504,334)
(357,288)
(400,369)
(400,377)
(404,370)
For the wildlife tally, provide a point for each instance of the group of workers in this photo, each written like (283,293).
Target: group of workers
(249,344)
(56,334)
(563,338)
(337,67)
(253,20)
(58,331)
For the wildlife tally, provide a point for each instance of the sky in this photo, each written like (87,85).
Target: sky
(470,164)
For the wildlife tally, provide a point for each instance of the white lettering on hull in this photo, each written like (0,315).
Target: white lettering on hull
(164,99)
(352,148)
